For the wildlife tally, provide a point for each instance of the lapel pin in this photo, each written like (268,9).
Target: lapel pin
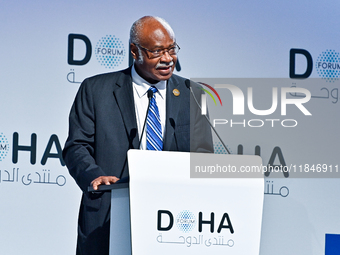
(176,92)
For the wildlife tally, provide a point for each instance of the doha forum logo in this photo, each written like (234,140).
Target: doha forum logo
(4,146)
(110,51)
(328,65)
(185,221)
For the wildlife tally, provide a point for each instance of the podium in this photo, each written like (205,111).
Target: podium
(174,205)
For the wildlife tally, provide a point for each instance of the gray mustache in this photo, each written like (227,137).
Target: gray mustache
(160,65)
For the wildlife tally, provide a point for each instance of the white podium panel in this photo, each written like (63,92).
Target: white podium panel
(172,213)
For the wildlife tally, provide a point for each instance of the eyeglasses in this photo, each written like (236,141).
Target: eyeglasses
(173,50)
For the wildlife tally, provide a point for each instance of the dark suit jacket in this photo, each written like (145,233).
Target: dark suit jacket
(102,128)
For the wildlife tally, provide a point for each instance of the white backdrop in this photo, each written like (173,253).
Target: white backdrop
(217,39)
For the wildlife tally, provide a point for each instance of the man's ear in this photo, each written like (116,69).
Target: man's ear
(134,51)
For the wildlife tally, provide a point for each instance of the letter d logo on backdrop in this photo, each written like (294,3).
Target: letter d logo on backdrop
(70,52)
(292,61)
(109,50)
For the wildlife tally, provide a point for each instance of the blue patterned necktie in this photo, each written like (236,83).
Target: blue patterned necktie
(154,138)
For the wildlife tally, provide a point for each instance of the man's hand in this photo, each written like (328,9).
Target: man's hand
(107,180)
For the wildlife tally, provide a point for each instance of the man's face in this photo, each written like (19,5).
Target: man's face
(154,37)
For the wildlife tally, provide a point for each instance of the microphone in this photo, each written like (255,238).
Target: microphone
(187,83)
(173,124)
(150,95)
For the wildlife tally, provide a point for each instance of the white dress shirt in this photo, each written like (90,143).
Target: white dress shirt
(140,88)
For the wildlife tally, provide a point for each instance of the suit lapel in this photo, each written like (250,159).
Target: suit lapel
(172,108)
(123,93)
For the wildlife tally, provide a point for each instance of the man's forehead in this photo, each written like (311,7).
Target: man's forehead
(157,36)
(159,33)
(153,24)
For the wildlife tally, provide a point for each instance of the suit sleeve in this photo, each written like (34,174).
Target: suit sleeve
(78,152)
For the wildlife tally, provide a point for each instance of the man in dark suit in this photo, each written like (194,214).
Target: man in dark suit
(107,118)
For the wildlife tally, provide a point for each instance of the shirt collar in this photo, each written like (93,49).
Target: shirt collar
(142,86)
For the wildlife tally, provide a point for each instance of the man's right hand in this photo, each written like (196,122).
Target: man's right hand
(106,180)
